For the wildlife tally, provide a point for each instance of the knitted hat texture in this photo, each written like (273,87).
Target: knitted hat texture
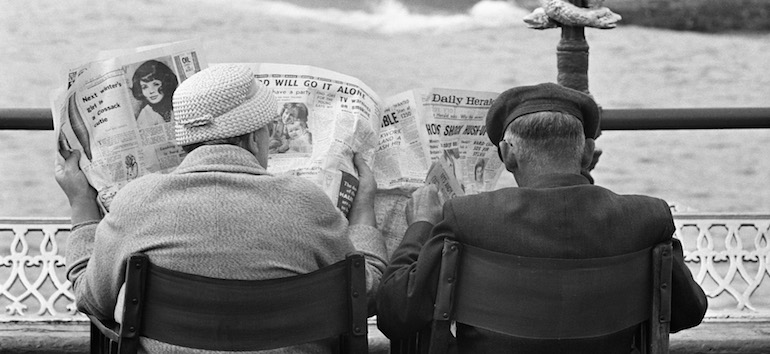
(220,102)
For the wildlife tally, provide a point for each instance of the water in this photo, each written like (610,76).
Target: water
(393,47)
(390,16)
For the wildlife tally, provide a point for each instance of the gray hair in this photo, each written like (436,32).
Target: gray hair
(546,137)
(235,140)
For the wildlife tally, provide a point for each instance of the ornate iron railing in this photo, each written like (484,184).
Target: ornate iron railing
(728,255)
(33,283)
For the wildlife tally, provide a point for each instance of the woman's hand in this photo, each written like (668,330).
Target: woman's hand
(424,205)
(73,182)
(362,211)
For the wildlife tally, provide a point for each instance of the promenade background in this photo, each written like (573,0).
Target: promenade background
(392,49)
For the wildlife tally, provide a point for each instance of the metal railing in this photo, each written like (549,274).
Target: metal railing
(33,283)
(728,254)
(612,119)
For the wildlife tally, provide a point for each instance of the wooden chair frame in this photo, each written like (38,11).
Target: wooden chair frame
(222,314)
(509,294)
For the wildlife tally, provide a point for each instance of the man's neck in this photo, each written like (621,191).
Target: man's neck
(526,177)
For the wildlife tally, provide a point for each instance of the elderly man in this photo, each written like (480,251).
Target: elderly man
(220,214)
(545,135)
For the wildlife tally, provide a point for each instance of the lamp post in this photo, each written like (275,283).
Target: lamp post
(572,56)
(572,51)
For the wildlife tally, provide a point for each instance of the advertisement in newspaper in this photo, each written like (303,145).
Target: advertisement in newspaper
(117,111)
(324,117)
(447,125)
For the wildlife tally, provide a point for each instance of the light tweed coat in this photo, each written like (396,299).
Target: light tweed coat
(219,214)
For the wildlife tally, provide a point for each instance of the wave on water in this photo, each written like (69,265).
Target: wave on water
(391,16)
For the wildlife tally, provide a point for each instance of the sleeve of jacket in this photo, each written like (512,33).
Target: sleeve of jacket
(99,253)
(688,301)
(97,268)
(408,287)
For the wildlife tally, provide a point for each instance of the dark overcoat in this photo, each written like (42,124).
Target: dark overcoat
(561,216)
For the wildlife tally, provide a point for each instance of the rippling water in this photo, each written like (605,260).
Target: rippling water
(394,48)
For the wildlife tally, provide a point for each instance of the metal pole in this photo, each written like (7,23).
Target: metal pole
(612,119)
(26,119)
(685,118)
(572,56)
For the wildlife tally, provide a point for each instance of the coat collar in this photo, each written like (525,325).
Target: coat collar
(223,158)
(553,180)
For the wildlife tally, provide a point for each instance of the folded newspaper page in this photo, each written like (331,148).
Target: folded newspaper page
(447,125)
(426,126)
(117,111)
(324,117)
(439,175)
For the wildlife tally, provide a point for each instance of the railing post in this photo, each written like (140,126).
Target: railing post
(572,56)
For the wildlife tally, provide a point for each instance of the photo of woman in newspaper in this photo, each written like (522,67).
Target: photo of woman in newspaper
(292,133)
(153,84)
(478,175)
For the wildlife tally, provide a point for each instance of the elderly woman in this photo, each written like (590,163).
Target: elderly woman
(220,214)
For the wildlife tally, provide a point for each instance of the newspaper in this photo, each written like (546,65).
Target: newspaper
(324,118)
(117,111)
(447,125)
(447,184)
(443,128)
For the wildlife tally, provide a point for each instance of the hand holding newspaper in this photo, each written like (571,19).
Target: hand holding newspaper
(324,118)
(446,182)
(423,126)
(117,111)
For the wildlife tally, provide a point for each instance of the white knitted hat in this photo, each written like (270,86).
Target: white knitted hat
(219,102)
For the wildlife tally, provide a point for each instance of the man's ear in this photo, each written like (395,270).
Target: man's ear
(587,159)
(250,143)
(508,155)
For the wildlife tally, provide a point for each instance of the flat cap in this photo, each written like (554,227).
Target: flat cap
(546,97)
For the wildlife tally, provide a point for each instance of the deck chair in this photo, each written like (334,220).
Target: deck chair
(235,315)
(512,295)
